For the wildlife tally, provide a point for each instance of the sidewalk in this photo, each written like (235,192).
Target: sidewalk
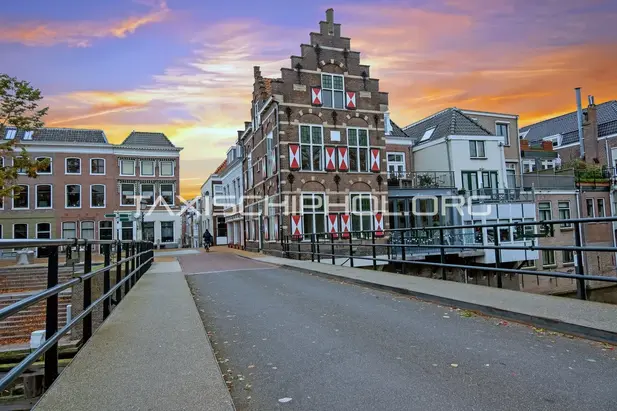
(151,354)
(587,319)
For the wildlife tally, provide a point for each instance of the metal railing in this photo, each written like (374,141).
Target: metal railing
(138,257)
(500,195)
(421,179)
(542,181)
(324,246)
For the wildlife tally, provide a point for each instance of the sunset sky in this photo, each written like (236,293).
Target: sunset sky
(184,67)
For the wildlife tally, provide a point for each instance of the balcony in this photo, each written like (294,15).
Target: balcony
(499,195)
(545,181)
(421,179)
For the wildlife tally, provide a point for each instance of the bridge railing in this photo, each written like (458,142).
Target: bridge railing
(397,246)
(138,257)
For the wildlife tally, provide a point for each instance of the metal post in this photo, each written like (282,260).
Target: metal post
(581,289)
(313,247)
(118,270)
(332,248)
(87,323)
(374,251)
(127,267)
(133,261)
(106,281)
(442,252)
(497,256)
(318,251)
(403,254)
(51,318)
(351,249)
(299,254)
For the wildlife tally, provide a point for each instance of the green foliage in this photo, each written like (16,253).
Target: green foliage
(19,108)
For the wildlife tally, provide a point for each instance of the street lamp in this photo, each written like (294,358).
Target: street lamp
(142,207)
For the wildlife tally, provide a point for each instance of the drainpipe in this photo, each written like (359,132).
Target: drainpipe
(579,198)
(579,115)
(448,152)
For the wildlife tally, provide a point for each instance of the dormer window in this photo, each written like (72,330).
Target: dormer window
(427,134)
(556,140)
(28,135)
(333,90)
(10,133)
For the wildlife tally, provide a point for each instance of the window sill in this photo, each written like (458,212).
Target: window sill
(550,266)
(72,174)
(529,268)
(566,228)
(568,264)
(478,158)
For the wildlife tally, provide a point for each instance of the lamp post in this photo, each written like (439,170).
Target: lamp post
(142,208)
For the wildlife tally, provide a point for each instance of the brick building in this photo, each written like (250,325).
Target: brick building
(314,150)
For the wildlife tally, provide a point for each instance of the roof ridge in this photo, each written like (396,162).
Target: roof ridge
(472,120)
(425,119)
(610,102)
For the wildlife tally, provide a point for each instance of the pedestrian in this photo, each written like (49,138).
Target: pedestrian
(207,240)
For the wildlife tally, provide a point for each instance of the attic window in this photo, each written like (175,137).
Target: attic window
(28,135)
(10,133)
(427,134)
(556,139)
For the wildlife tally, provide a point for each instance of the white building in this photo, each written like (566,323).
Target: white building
(232,198)
(211,216)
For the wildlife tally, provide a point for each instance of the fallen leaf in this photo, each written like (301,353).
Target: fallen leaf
(251,366)
(284,400)
(454,365)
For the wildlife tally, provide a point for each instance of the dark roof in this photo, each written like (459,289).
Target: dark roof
(449,122)
(63,135)
(140,138)
(567,125)
(396,130)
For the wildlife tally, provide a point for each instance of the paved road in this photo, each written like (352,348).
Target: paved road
(282,334)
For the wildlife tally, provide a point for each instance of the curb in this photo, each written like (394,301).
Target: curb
(551,324)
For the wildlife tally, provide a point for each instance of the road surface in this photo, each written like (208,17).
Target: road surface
(290,340)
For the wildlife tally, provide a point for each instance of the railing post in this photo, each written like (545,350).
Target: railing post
(87,322)
(299,251)
(403,254)
(374,251)
(313,247)
(127,267)
(332,248)
(106,281)
(318,250)
(442,252)
(133,266)
(581,289)
(51,318)
(497,256)
(118,270)
(351,249)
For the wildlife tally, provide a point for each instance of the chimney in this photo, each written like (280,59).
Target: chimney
(590,132)
(387,124)
(547,145)
(330,16)
(579,115)
(524,144)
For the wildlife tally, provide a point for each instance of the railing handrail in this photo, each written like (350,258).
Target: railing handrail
(31,242)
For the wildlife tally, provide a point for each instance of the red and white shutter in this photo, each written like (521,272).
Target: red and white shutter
(343,159)
(273,160)
(316,99)
(333,225)
(296,226)
(294,156)
(375,159)
(345,225)
(378,225)
(350,100)
(330,159)
(266,234)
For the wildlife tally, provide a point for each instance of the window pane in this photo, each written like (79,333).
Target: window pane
(147,168)
(306,157)
(472,149)
(338,99)
(128,167)
(167,168)
(338,82)
(73,196)
(326,81)
(316,135)
(73,165)
(97,166)
(590,212)
(481,149)
(98,195)
(128,194)
(363,159)
(327,98)
(363,137)
(87,230)
(69,230)
(167,193)
(317,158)
(353,160)
(20,231)
(305,134)
(43,196)
(352,135)
(47,169)
(147,193)
(601,207)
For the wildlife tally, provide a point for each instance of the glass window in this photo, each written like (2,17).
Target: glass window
(167,231)
(529,166)
(357,140)
(396,164)
(361,214)
(43,196)
(470,181)
(529,230)
(545,212)
(20,231)
(87,230)
(518,231)
(97,166)
(21,197)
(167,193)
(167,168)
(73,196)
(147,193)
(46,169)
(128,194)
(73,166)
(43,231)
(567,257)
(311,148)
(127,230)
(127,167)
(147,168)
(601,212)
(313,214)
(106,230)
(548,258)
(476,149)
(564,213)
(504,232)
(490,232)
(69,229)
(97,195)
(590,209)
(501,129)
(332,89)
(148,231)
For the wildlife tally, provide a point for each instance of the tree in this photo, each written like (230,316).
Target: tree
(19,108)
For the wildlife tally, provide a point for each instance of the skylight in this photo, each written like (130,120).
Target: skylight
(10,133)
(427,134)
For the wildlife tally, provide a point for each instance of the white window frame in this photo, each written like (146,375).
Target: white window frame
(66,166)
(544,263)
(104,196)
(396,163)
(173,192)
(362,229)
(311,145)
(531,164)
(141,192)
(506,140)
(122,204)
(593,206)
(141,168)
(269,148)
(357,147)
(39,231)
(81,229)
(476,143)
(547,164)
(560,209)
(21,173)
(173,169)
(122,167)
(75,229)
(66,197)
(27,230)
(597,211)
(249,169)
(332,90)
(104,167)
(51,166)
(13,198)
(113,232)
(313,213)
(36,197)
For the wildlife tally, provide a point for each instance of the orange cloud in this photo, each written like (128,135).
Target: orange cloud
(77,33)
